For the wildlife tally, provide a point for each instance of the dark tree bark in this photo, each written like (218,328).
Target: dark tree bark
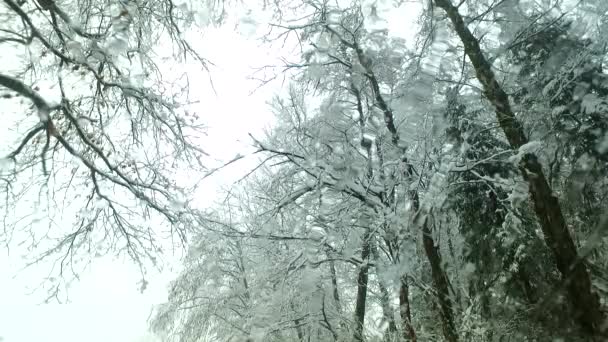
(334,286)
(405,311)
(441,285)
(362,280)
(440,279)
(584,301)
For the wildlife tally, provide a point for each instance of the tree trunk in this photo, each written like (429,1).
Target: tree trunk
(362,279)
(408,331)
(441,285)
(440,280)
(584,301)
(334,286)
(405,311)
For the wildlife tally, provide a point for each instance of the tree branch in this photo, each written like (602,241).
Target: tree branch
(26,91)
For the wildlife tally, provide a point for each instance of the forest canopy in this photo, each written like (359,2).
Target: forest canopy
(444,182)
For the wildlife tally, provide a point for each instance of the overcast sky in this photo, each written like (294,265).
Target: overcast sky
(106,304)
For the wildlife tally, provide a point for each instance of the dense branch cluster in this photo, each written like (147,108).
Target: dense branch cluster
(109,134)
(414,190)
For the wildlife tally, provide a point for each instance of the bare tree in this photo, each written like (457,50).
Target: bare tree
(98,134)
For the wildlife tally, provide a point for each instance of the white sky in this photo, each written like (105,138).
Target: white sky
(106,304)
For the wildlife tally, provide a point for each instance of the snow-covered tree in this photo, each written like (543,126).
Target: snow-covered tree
(96,135)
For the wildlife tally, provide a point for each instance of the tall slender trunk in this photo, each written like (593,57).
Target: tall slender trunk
(334,285)
(441,285)
(241,267)
(362,280)
(336,295)
(405,311)
(408,331)
(440,279)
(585,303)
